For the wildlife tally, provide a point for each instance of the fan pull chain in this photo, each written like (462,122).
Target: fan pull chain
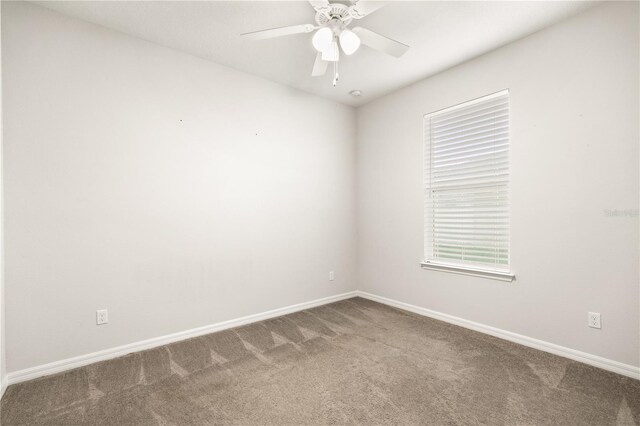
(336,77)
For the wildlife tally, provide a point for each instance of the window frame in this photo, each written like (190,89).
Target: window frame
(475,270)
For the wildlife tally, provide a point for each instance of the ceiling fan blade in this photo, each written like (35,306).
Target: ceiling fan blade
(319,4)
(362,8)
(380,42)
(279,32)
(319,66)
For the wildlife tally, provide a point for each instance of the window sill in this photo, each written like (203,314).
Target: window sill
(482,273)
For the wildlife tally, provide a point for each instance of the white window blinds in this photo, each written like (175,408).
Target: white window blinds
(466,150)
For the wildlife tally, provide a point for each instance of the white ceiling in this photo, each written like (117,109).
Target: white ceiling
(441,34)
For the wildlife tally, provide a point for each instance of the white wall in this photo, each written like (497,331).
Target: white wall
(574,147)
(244,206)
(3,370)
(170,190)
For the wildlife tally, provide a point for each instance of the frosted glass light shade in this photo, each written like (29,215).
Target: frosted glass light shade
(349,42)
(331,53)
(322,39)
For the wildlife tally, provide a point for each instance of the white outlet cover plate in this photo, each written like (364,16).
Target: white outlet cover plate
(594,320)
(102,317)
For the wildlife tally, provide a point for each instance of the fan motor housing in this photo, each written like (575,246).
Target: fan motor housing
(334,11)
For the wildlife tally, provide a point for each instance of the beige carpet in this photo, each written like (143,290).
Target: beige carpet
(351,362)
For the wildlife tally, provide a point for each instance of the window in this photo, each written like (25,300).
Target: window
(466,154)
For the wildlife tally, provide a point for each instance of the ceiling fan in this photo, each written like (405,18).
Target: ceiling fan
(331,31)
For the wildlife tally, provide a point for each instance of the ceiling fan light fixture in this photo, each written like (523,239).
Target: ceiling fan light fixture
(330,34)
(331,53)
(322,39)
(349,42)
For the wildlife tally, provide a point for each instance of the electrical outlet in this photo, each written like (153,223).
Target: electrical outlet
(594,320)
(332,276)
(102,316)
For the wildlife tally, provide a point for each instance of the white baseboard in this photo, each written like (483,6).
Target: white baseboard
(594,360)
(3,386)
(82,360)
